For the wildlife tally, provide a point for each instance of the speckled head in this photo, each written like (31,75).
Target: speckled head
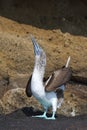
(40,56)
(37,48)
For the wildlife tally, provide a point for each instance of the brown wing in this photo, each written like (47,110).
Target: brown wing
(57,79)
(28,87)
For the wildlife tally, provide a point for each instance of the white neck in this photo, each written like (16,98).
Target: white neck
(39,71)
(40,63)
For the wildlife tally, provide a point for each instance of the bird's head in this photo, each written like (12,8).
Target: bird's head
(40,56)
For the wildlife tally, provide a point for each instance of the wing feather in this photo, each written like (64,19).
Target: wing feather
(58,78)
(28,87)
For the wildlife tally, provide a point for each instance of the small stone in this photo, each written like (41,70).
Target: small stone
(68,102)
(72,95)
(17,35)
(73,112)
(27,32)
(50,39)
(66,44)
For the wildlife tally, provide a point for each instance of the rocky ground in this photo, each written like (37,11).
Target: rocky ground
(61,30)
(22,120)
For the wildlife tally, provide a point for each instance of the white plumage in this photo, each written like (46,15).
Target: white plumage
(37,86)
(47,99)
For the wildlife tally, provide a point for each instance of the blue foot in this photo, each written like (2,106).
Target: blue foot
(40,116)
(45,117)
(50,118)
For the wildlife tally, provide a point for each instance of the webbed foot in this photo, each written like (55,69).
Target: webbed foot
(50,118)
(45,117)
(40,116)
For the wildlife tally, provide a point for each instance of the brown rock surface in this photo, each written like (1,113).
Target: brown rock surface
(60,27)
(75,102)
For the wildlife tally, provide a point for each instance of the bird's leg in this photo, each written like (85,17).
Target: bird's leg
(54,106)
(43,115)
(52,117)
(60,102)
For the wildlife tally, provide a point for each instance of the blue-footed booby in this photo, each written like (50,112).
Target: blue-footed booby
(50,93)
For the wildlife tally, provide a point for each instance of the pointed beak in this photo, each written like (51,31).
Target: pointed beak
(37,49)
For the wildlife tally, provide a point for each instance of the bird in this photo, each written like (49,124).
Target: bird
(51,92)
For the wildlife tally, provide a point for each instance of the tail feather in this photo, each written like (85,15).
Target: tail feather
(68,61)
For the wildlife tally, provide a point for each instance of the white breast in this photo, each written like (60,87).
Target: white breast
(38,90)
(37,87)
